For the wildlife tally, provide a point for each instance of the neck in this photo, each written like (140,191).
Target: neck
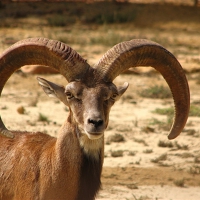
(91,167)
(91,148)
(91,154)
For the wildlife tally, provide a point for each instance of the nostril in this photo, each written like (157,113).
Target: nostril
(96,123)
(99,122)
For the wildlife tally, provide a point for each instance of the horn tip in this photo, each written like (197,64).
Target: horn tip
(7,133)
(173,135)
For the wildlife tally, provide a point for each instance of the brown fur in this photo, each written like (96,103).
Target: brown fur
(39,166)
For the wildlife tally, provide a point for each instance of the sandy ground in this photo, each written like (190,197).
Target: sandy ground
(136,167)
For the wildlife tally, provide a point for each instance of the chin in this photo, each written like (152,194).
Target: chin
(94,136)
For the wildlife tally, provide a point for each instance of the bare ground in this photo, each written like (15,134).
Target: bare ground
(136,167)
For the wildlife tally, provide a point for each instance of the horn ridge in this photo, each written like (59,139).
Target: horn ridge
(43,51)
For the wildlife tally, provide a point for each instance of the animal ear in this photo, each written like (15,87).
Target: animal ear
(122,89)
(52,89)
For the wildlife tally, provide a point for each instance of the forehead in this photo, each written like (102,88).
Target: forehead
(81,86)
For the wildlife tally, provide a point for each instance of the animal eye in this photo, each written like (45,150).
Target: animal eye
(69,95)
(114,96)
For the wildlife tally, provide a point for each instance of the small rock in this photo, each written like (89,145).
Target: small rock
(115,138)
(21,110)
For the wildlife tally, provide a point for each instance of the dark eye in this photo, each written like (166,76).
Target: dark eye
(114,96)
(69,95)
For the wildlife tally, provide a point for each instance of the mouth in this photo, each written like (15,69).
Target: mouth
(93,136)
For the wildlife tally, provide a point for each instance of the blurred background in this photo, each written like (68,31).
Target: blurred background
(140,163)
(93,26)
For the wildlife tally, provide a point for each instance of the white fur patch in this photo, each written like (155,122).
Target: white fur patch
(91,147)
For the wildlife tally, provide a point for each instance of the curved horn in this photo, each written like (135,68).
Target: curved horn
(147,53)
(40,51)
